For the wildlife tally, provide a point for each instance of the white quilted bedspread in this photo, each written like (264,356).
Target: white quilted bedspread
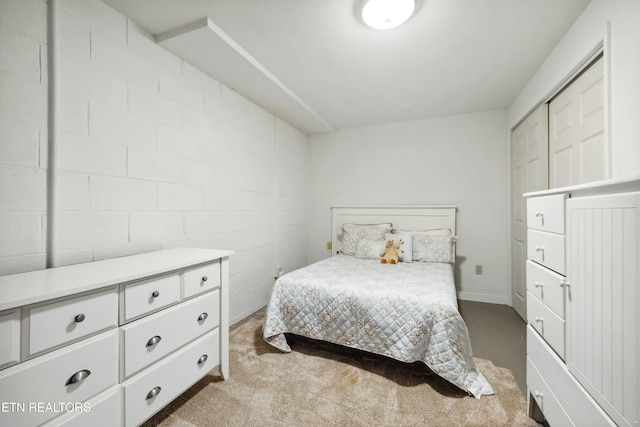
(407,311)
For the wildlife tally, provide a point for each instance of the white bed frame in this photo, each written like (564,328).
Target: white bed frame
(403,217)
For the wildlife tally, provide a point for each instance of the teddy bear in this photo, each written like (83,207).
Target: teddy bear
(392,252)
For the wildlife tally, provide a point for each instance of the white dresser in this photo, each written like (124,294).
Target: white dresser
(583,278)
(545,269)
(109,343)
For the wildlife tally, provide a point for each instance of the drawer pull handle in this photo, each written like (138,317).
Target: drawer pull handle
(153,392)
(538,394)
(537,284)
(564,283)
(540,214)
(79,318)
(153,341)
(155,294)
(202,317)
(539,319)
(205,278)
(202,359)
(539,249)
(78,376)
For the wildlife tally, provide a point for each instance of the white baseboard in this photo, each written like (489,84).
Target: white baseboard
(476,297)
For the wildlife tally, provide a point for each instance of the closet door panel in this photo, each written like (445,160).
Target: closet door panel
(578,152)
(529,171)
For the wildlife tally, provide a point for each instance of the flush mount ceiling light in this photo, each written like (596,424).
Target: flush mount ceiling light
(386,14)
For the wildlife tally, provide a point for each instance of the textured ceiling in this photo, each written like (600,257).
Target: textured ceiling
(451,57)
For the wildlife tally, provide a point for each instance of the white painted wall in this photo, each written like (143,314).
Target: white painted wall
(293,164)
(23,134)
(613,23)
(457,160)
(150,153)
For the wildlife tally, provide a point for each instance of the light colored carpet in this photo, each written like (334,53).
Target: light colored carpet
(319,384)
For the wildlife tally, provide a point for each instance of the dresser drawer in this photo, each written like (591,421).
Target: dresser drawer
(547,286)
(103,410)
(548,324)
(577,403)
(148,392)
(546,213)
(170,329)
(51,325)
(546,400)
(546,249)
(146,296)
(201,278)
(71,374)
(9,337)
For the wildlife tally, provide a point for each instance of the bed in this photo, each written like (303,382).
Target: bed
(407,311)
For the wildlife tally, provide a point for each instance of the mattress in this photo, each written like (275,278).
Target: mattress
(406,311)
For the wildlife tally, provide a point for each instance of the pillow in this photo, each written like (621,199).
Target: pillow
(433,246)
(406,244)
(369,249)
(353,233)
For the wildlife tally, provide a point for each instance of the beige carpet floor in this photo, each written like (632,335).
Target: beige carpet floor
(319,384)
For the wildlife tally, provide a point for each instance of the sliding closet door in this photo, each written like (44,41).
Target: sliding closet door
(578,152)
(529,144)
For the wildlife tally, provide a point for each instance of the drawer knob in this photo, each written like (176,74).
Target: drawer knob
(205,278)
(539,319)
(78,376)
(79,318)
(537,284)
(539,248)
(202,359)
(153,392)
(153,341)
(155,294)
(202,317)
(538,394)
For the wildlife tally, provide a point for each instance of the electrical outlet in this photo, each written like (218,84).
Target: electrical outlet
(478,268)
(329,246)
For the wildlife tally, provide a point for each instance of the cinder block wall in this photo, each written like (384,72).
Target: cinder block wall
(150,153)
(23,134)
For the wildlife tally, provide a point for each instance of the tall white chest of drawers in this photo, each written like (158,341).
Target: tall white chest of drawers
(583,299)
(109,343)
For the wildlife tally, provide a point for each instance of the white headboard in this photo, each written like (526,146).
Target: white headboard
(404,217)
